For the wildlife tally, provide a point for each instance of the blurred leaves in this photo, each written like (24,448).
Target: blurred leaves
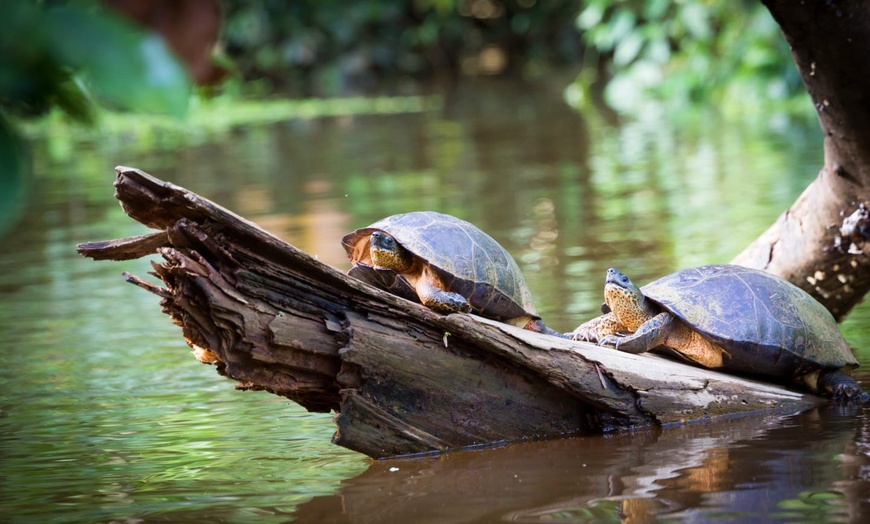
(328,47)
(728,53)
(123,65)
(70,57)
(66,54)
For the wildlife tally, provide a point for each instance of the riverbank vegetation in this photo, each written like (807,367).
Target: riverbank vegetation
(83,61)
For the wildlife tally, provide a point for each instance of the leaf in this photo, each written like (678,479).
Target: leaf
(627,49)
(658,50)
(591,16)
(656,10)
(696,19)
(73,100)
(622,24)
(124,65)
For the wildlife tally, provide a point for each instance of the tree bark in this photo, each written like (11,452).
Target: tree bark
(401,378)
(820,243)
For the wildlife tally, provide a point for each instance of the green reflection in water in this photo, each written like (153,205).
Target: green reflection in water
(104,415)
(813,506)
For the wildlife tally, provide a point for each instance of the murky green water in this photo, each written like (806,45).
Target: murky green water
(106,417)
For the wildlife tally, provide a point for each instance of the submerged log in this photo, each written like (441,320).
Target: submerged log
(400,378)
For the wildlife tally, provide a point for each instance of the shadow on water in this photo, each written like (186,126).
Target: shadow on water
(746,470)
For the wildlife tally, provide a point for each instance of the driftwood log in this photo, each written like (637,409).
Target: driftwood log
(400,378)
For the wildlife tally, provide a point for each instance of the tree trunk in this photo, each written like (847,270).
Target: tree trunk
(819,243)
(401,378)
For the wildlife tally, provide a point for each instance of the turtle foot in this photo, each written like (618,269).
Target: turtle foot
(583,335)
(444,301)
(596,329)
(842,388)
(612,341)
(849,395)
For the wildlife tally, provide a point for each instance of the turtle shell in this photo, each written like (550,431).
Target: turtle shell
(766,324)
(467,260)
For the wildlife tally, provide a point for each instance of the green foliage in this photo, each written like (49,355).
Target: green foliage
(70,57)
(65,55)
(207,121)
(730,53)
(331,46)
(125,66)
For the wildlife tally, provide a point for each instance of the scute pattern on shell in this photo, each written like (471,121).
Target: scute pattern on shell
(469,261)
(766,323)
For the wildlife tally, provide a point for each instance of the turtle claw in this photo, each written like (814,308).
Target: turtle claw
(842,388)
(583,335)
(847,393)
(610,340)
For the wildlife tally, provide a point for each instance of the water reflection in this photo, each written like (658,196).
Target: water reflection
(105,416)
(748,470)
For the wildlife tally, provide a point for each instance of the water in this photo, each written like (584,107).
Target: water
(106,417)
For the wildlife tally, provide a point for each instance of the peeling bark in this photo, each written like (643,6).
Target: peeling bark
(401,378)
(819,243)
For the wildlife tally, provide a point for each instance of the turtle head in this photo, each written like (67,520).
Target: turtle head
(388,254)
(625,300)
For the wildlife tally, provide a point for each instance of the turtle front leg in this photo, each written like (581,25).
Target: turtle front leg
(596,329)
(664,330)
(440,300)
(652,333)
(840,386)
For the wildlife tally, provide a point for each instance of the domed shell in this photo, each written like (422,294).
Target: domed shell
(468,261)
(766,324)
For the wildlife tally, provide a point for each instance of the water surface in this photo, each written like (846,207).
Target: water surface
(106,417)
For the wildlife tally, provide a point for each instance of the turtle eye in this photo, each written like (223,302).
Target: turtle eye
(624,279)
(383,239)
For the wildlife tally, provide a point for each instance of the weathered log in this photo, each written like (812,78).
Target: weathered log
(401,378)
(821,242)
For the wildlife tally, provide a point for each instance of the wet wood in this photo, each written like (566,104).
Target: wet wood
(821,242)
(400,378)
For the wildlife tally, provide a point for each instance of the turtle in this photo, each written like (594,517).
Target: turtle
(445,263)
(732,318)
